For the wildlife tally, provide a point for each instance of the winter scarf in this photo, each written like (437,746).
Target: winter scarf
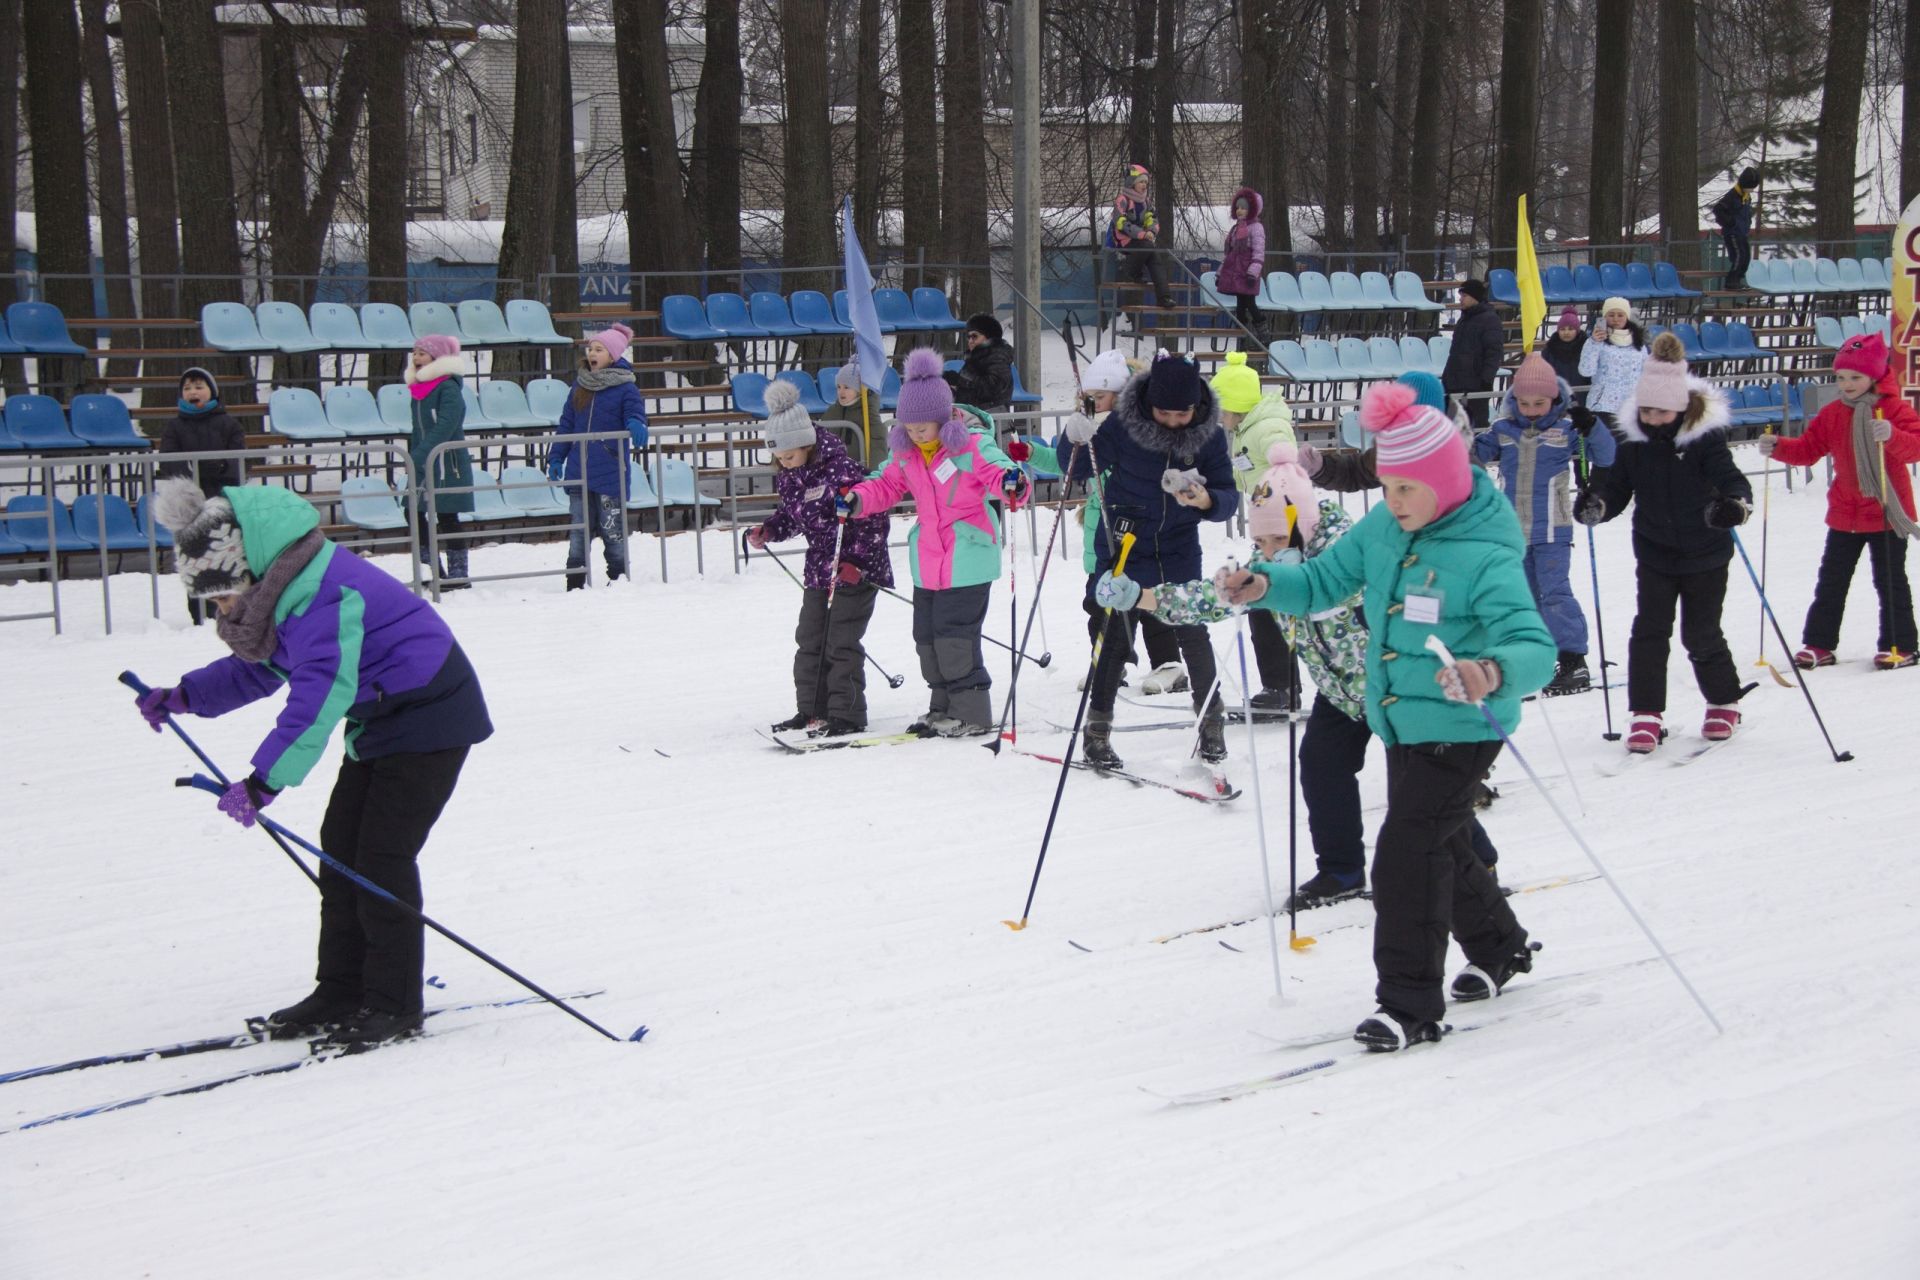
(592,381)
(199,410)
(421,390)
(248,629)
(1868,460)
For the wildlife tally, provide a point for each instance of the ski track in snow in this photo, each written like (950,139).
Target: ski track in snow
(855,1070)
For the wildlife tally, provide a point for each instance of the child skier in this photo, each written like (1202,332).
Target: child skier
(202,426)
(829,668)
(1687,492)
(349,642)
(439,411)
(1868,427)
(604,398)
(1167,468)
(1441,555)
(950,472)
(1534,441)
(1256,420)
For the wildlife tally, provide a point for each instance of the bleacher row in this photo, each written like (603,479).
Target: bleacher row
(283,328)
(1831,331)
(805,313)
(1307,292)
(1797,277)
(1639,282)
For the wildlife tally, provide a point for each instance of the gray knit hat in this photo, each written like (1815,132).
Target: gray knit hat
(788,426)
(209,551)
(849,376)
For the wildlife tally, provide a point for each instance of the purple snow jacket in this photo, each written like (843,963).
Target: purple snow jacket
(1246,254)
(353,644)
(806,507)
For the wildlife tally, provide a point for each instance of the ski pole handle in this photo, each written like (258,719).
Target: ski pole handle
(141,689)
(1126,546)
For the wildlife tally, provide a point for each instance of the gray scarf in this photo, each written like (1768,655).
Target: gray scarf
(248,630)
(601,379)
(1868,458)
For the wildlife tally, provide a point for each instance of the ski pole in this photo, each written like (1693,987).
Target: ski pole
(1439,649)
(1044,659)
(1599,620)
(1541,705)
(1294,940)
(1040,585)
(201,782)
(139,687)
(1766,504)
(1066,757)
(1839,757)
(893,682)
(1259,809)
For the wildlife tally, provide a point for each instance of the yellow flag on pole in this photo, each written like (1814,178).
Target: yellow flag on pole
(1533,297)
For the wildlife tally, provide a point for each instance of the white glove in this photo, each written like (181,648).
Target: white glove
(1080,429)
(1174,480)
(1767,442)
(1881,431)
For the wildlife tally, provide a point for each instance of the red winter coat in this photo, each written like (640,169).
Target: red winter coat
(1830,434)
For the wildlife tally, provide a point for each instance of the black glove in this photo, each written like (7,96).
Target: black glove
(1583,418)
(1589,508)
(1726,513)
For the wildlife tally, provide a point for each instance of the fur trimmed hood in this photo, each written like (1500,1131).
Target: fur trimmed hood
(1706,413)
(1183,443)
(455,366)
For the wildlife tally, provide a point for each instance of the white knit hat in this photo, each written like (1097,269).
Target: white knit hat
(1108,372)
(1617,304)
(788,426)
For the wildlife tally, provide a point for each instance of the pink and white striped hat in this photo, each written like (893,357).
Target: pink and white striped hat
(1417,442)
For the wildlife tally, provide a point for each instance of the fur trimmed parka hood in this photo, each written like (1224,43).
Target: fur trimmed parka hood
(1184,443)
(1706,413)
(454,366)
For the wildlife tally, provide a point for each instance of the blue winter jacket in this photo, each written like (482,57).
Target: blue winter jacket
(1534,456)
(1134,452)
(614,409)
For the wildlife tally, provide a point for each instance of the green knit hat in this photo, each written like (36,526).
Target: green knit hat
(1236,387)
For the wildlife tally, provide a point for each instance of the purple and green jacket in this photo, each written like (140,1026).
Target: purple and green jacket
(354,644)
(806,507)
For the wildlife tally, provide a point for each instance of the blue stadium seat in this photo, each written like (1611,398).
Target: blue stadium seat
(1556,285)
(1502,286)
(1384,354)
(1021,397)
(396,408)
(1826,275)
(368,502)
(1348,294)
(38,424)
(1375,289)
(531,494)
(1877,274)
(104,421)
(1441,345)
(296,413)
(38,328)
(674,480)
(285,326)
(353,411)
(896,311)
(683,317)
(1666,278)
(1742,343)
(769,311)
(506,404)
(488,502)
(1286,358)
(1853,278)
(1356,362)
(123,532)
(386,327)
(812,311)
(1613,279)
(1416,356)
(1690,340)
(27,523)
(845,316)
(476,416)
(1350,433)
(809,391)
(728,313)
(1316,294)
(1760,277)
(640,494)
(890,389)
(143,516)
(482,324)
(229,326)
(1803,276)
(1280,291)
(1412,294)
(8,347)
(1587,285)
(336,326)
(1828,332)
(546,397)
(426,318)
(1323,362)
(931,310)
(530,322)
(1713,340)
(750,393)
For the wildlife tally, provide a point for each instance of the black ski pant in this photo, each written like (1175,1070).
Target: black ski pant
(946,633)
(1428,884)
(1138,266)
(1279,669)
(1195,648)
(1887,556)
(1162,645)
(830,664)
(378,819)
(1699,597)
(1739,246)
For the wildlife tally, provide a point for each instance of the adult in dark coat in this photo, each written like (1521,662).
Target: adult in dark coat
(985,378)
(1479,344)
(1166,468)
(202,426)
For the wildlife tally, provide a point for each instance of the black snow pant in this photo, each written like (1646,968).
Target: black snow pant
(378,819)
(1162,645)
(830,665)
(1699,597)
(1279,669)
(1887,555)
(946,632)
(1427,881)
(1739,246)
(1195,648)
(1140,265)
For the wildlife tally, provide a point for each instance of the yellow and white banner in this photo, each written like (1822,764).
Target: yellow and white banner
(1906,302)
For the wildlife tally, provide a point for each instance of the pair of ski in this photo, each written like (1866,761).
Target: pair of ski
(318,1050)
(1674,759)
(1216,791)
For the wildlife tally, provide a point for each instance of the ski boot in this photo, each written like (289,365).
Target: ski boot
(1325,887)
(838,728)
(1644,732)
(1720,723)
(1213,735)
(1096,744)
(1809,657)
(1480,983)
(1168,677)
(795,722)
(1894,659)
(1387,1031)
(1570,676)
(318,1014)
(371,1027)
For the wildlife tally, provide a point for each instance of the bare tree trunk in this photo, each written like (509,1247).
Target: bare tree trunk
(965,189)
(869,124)
(387,165)
(1834,176)
(1612,75)
(1263,149)
(920,179)
(110,180)
(806,234)
(541,161)
(1910,109)
(658,230)
(150,129)
(1339,185)
(284,146)
(14,378)
(1520,35)
(1366,126)
(1423,185)
(59,158)
(563,290)
(1406,76)
(714,177)
(1166,108)
(1680,132)
(1141,106)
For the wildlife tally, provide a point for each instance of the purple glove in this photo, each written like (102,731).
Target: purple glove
(157,704)
(244,800)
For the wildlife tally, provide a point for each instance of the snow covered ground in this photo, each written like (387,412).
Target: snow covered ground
(855,1070)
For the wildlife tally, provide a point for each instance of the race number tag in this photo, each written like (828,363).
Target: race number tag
(814,494)
(1423,607)
(1241,462)
(944,472)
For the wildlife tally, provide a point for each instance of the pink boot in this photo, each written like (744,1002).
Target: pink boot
(1644,731)
(1721,722)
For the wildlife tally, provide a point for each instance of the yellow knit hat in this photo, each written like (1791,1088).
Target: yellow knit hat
(1236,387)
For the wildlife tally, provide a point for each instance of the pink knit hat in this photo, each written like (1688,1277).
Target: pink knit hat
(1865,353)
(1419,443)
(615,338)
(1535,377)
(437,345)
(1569,319)
(1663,378)
(1286,482)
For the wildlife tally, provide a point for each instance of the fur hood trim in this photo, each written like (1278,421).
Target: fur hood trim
(1183,443)
(1706,413)
(444,367)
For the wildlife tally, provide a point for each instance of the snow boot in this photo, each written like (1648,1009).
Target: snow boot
(1096,743)
(1387,1031)
(1570,676)
(932,725)
(319,1013)
(839,728)
(1644,732)
(1325,887)
(1275,702)
(795,722)
(1894,659)
(1476,982)
(1720,723)
(952,728)
(1809,657)
(1213,734)
(455,578)
(576,579)
(370,1027)
(1168,677)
